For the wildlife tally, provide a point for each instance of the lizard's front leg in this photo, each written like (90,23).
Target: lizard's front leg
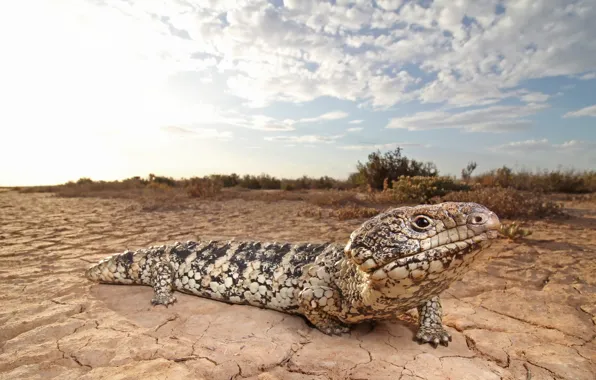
(161,281)
(431,329)
(316,303)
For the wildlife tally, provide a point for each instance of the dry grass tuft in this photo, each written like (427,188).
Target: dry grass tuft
(422,189)
(514,231)
(204,188)
(508,203)
(354,212)
(554,181)
(346,212)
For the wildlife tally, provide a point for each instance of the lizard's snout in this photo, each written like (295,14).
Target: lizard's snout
(487,219)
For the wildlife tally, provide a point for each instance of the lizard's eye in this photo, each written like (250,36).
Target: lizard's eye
(421,223)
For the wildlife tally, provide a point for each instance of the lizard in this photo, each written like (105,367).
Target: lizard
(398,260)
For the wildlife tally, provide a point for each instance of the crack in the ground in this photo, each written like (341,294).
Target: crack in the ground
(553,374)
(275,324)
(515,318)
(238,374)
(71,356)
(530,322)
(170,318)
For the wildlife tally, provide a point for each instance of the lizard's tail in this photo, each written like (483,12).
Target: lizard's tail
(122,268)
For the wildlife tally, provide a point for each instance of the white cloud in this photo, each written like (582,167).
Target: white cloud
(354,129)
(355,121)
(201,133)
(586,111)
(304,50)
(588,76)
(381,146)
(305,139)
(543,145)
(308,49)
(334,115)
(490,119)
(389,5)
(534,97)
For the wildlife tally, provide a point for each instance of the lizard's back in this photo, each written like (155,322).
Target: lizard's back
(255,273)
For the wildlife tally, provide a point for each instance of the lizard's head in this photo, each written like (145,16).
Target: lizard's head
(409,241)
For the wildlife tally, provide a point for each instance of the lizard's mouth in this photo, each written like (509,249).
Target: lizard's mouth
(435,259)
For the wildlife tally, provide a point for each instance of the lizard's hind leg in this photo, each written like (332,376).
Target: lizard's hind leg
(162,283)
(313,308)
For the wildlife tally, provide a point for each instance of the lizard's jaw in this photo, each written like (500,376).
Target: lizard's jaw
(403,283)
(434,260)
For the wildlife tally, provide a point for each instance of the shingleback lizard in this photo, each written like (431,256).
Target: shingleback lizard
(400,259)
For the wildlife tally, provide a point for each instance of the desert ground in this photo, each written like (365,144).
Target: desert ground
(526,311)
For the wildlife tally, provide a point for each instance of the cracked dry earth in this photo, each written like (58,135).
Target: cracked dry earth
(526,311)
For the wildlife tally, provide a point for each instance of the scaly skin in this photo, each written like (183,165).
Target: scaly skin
(399,260)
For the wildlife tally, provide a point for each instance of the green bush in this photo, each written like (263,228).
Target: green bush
(391,166)
(423,189)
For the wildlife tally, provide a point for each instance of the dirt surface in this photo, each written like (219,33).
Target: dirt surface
(527,311)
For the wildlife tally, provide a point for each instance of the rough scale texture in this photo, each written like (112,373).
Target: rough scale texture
(399,260)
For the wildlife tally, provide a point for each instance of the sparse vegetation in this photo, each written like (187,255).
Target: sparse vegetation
(390,166)
(204,188)
(508,203)
(385,180)
(466,173)
(514,231)
(554,181)
(351,211)
(423,189)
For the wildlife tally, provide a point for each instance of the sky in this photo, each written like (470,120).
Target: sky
(110,89)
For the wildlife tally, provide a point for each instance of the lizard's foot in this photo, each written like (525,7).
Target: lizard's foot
(433,335)
(331,327)
(431,329)
(163,299)
(316,304)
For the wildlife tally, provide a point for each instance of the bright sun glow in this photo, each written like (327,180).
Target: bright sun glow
(82,95)
(115,88)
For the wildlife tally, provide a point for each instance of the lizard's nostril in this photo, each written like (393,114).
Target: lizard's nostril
(478,219)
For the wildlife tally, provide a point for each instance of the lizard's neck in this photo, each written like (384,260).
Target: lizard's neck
(359,296)
(364,299)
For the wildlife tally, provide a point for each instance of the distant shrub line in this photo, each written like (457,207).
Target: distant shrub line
(384,179)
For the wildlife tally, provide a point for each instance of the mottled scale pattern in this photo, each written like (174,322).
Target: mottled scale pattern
(401,259)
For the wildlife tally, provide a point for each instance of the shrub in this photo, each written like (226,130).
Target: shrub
(84,180)
(423,189)
(570,181)
(268,182)
(508,202)
(391,165)
(203,188)
(466,173)
(168,181)
(227,180)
